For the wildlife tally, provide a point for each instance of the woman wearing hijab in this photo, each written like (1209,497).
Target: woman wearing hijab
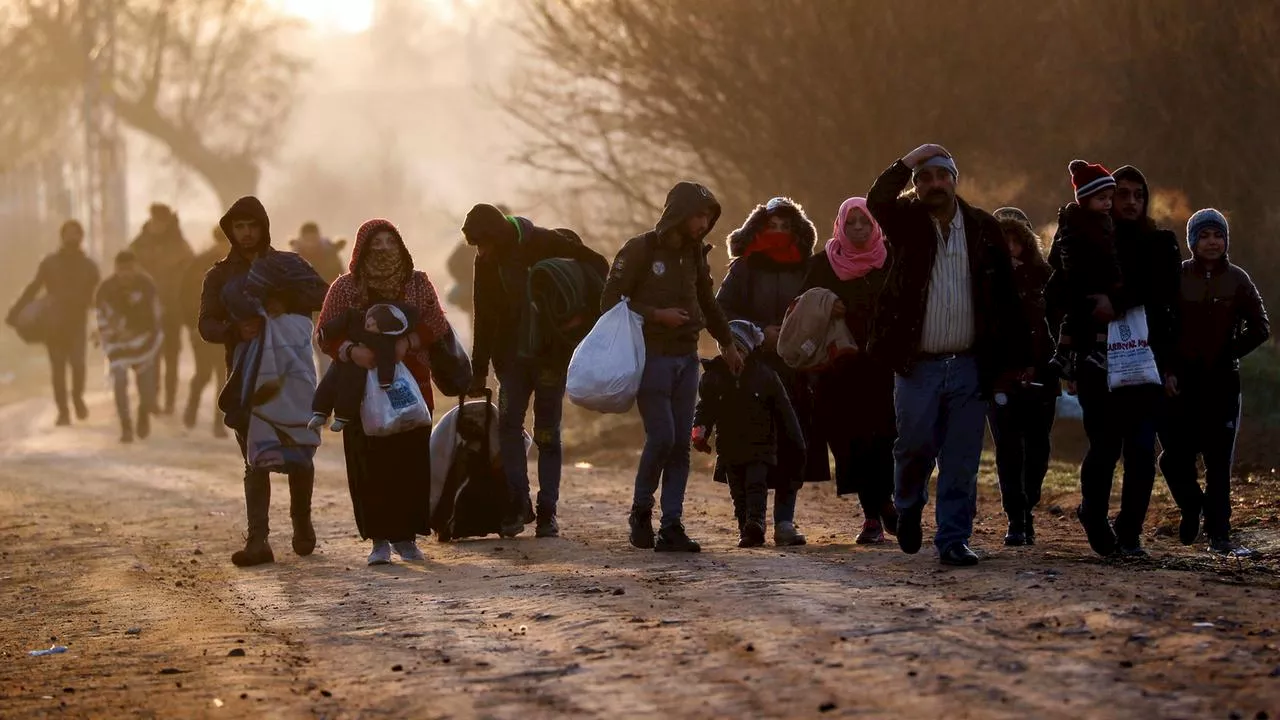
(1021,425)
(854,396)
(389,477)
(769,256)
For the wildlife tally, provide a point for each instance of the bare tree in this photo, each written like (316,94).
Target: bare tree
(210,79)
(813,98)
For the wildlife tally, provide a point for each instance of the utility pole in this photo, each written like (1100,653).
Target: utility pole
(104,151)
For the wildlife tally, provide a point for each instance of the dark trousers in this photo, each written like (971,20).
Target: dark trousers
(864,465)
(668,394)
(1119,423)
(170,350)
(257,494)
(749,490)
(1021,431)
(519,382)
(210,366)
(1202,422)
(67,352)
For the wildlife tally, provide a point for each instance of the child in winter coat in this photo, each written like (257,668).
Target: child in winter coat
(754,423)
(341,390)
(1084,257)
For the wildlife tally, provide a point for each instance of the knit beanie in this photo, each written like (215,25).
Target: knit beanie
(1089,179)
(746,334)
(1207,218)
(1016,215)
(486,224)
(941,161)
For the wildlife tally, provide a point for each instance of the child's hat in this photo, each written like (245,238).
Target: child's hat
(1089,178)
(746,333)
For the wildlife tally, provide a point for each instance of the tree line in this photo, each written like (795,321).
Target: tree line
(812,98)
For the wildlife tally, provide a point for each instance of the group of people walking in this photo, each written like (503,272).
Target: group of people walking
(142,312)
(947,319)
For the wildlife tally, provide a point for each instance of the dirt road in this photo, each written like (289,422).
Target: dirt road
(121,555)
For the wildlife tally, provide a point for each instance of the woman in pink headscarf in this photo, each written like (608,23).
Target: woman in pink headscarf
(855,395)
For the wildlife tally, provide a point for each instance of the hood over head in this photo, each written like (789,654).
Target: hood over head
(364,236)
(247,207)
(1133,174)
(684,201)
(805,233)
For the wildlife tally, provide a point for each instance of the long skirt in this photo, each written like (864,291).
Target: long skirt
(390,482)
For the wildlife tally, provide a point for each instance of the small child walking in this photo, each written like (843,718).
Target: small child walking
(341,390)
(753,422)
(1087,261)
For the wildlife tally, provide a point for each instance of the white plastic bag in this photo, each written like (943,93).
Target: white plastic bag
(397,409)
(607,366)
(1130,360)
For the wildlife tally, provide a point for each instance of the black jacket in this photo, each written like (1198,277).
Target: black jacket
(1001,344)
(501,288)
(863,381)
(751,414)
(214,321)
(69,277)
(757,287)
(1221,319)
(1151,264)
(664,269)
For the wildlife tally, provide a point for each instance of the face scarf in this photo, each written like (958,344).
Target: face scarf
(383,273)
(850,261)
(778,245)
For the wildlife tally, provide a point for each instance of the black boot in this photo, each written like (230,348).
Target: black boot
(738,495)
(519,514)
(548,526)
(1029,532)
(257,505)
(675,539)
(641,522)
(301,483)
(753,530)
(1096,528)
(1017,533)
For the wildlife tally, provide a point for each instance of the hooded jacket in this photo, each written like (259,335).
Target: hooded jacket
(1001,341)
(757,287)
(1151,265)
(664,269)
(501,288)
(214,322)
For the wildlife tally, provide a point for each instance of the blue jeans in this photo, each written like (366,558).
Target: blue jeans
(520,381)
(668,394)
(941,422)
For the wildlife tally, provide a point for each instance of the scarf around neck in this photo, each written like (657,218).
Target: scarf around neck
(849,261)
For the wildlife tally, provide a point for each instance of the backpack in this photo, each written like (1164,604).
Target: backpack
(470,496)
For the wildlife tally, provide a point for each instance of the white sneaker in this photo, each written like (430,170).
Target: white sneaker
(408,551)
(381,554)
